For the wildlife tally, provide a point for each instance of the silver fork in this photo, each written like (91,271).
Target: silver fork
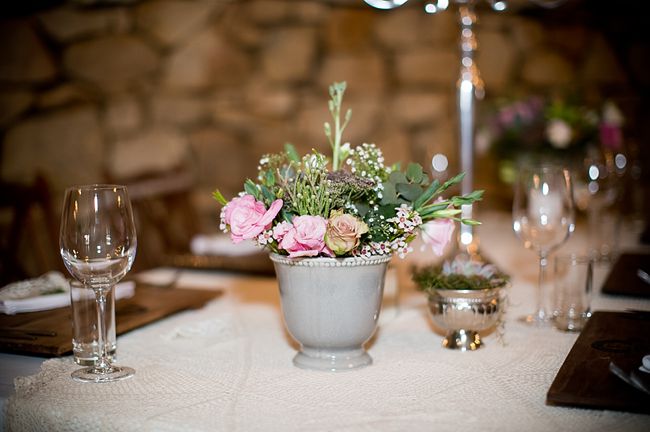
(631,380)
(644,276)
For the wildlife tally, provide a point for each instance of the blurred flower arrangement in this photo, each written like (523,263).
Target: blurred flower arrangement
(300,207)
(539,128)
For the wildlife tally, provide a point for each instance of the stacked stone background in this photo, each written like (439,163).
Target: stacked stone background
(134,88)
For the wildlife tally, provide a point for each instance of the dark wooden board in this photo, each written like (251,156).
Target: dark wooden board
(623,280)
(258,263)
(584,379)
(26,333)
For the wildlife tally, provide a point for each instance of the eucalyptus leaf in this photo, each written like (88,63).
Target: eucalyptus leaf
(414,173)
(410,192)
(362,208)
(389,194)
(397,177)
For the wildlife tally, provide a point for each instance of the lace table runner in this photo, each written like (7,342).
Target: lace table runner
(229,368)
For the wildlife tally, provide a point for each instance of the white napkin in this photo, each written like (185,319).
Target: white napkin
(50,291)
(219,244)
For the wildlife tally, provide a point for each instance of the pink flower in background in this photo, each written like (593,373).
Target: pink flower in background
(437,234)
(611,136)
(247,218)
(306,237)
(559,133)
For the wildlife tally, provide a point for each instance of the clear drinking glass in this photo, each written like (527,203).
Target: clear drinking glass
(574,276)
(98,243)
(543,217)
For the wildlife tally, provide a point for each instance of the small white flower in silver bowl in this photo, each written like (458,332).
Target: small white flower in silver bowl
(465,298)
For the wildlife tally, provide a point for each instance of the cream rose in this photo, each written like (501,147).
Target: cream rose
(344,232)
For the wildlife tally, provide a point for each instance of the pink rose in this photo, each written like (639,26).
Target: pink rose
(344,232)
(247,218)
(280,230)
(306,237)
(437,234)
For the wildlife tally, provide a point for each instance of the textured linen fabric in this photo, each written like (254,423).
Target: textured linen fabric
(227,367)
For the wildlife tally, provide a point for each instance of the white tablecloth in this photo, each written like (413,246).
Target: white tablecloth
(228,367)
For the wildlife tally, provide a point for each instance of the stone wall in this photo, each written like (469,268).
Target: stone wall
(142,87)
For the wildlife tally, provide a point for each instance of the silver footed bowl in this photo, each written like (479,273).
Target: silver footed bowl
(464,313)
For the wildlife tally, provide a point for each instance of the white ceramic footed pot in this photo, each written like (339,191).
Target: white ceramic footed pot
(331,307)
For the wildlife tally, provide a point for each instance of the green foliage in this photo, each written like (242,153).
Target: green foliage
(415,173)
(217,195)
(413,188)
(431,278)
(334,136)
(291,153)
(307,193)
(251,188)
(404,188)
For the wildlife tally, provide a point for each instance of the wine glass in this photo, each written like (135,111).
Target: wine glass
(598,191)
(98,243)
(543,217)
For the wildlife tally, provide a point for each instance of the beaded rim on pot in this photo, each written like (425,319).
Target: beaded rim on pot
(330,262)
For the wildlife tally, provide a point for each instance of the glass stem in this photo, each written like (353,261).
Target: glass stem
(540,313)
(103,365)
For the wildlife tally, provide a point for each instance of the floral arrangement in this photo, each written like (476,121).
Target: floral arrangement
(460,274)
(538,127)
(300,207)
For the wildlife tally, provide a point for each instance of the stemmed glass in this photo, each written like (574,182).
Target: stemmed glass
(98,243)
(598,190)
(543,217)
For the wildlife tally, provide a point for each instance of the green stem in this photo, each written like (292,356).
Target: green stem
(337,138)
(336,92)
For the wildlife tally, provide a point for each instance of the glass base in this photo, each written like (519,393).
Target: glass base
(463,340)
(112,373)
